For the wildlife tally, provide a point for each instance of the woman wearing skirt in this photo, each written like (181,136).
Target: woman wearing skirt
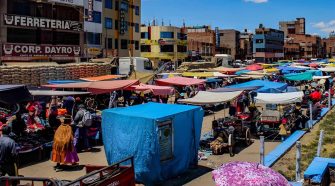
(63,150)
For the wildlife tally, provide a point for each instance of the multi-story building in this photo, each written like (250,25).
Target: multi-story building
(121,28)
(201,42)
(293,27)
(41,30)
(229,43)
(329,45)
(163,43)
(268,45)
(299,46)
(246,45)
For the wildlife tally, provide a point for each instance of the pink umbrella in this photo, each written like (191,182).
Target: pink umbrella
(254,67)
(245,174)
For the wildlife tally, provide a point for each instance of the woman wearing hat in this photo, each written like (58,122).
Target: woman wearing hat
(63,150)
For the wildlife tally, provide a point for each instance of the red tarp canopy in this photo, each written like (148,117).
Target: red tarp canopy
(156,90)
(179,81)
(254,67)
(98,87)
(102,78)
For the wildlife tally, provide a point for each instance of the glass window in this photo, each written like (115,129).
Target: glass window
(116,43)
(109,4)
(167,48)
(137,45)
(137,27)
(167,35)
(145,48)
(124,6)
(144,35)
(124,44)
(116,5)
(93,38)
(259,40)
(181,48)
(182,36)
(108,23)
(96,16)
(109,43)
(147,65)
(137,10)
(116,24)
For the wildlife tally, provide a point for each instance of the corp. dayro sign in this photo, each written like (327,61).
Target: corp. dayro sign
(23,50)
(37,22)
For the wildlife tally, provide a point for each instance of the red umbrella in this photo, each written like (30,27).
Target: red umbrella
(316,96)
(254,67)
(313,65)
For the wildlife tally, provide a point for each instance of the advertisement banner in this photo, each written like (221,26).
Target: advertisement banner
(27,50)
(36,22)
(90,10)
(69,2)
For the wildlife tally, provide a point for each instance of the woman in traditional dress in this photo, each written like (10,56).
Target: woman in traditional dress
(63,150)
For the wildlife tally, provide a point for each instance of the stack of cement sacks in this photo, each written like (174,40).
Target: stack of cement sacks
(39,75)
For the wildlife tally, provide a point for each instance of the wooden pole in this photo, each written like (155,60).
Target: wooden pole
(297,163)
(320,143)
(262,150)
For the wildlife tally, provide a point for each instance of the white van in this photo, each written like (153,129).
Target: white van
(224,60)
(140,64)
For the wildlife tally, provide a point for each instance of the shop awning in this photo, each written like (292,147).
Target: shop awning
(279,98)
(102,78)
(156,90)
(266,86)
(328,69)
(235,89)
(98,87)
(56,93)
(227,70)
(198,74)
(179,81)
(210,98)
(11,94)
(254,67)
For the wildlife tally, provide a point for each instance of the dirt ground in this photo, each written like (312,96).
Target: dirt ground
(194,177)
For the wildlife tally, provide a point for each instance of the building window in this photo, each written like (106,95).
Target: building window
(109,4)
(109,43)
(145,48)
(116,5)
(167,35)
(259,40)
(181,48)
(116,43)
(137,45)
(93,38)
(167,48)
(124,44)
(137,28)
(108,23)
(116,24)
(144,35)
(137,10)
(124,6)
(182,36)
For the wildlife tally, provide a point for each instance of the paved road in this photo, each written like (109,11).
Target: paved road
(195,177)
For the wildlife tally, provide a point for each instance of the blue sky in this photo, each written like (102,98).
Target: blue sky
(241,14)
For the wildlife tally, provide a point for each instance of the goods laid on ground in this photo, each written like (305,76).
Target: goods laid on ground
(39,75)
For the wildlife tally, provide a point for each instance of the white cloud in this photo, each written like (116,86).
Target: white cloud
(325,26)
(257,1)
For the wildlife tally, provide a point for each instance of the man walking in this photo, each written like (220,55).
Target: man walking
(82,120)
(8,154)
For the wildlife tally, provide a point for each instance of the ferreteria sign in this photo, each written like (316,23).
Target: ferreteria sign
(27,50)
(37,22)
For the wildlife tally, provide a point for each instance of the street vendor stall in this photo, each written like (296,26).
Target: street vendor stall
(102,78)
(179,81)
(156,90)
(266,86)
(207,98)
(163,138)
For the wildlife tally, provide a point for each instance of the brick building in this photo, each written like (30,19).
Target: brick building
(246,44)
(293,27)
(229,43)
(201,42)
(329,45)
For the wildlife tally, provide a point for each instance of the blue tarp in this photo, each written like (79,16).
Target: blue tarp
(317,169)
(57,82)
(266,86)
(133,131)
(287,70)
(282,148)
(213,80)
(242,72)
(304,76)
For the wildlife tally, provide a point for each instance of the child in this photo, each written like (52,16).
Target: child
(282,129)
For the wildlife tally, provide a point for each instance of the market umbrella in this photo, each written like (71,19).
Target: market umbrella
(254,67)
(246,173)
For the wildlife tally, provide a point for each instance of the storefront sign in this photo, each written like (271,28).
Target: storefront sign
(36,22)
(23,50)
(90,10)
(94,51)
(69,2)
